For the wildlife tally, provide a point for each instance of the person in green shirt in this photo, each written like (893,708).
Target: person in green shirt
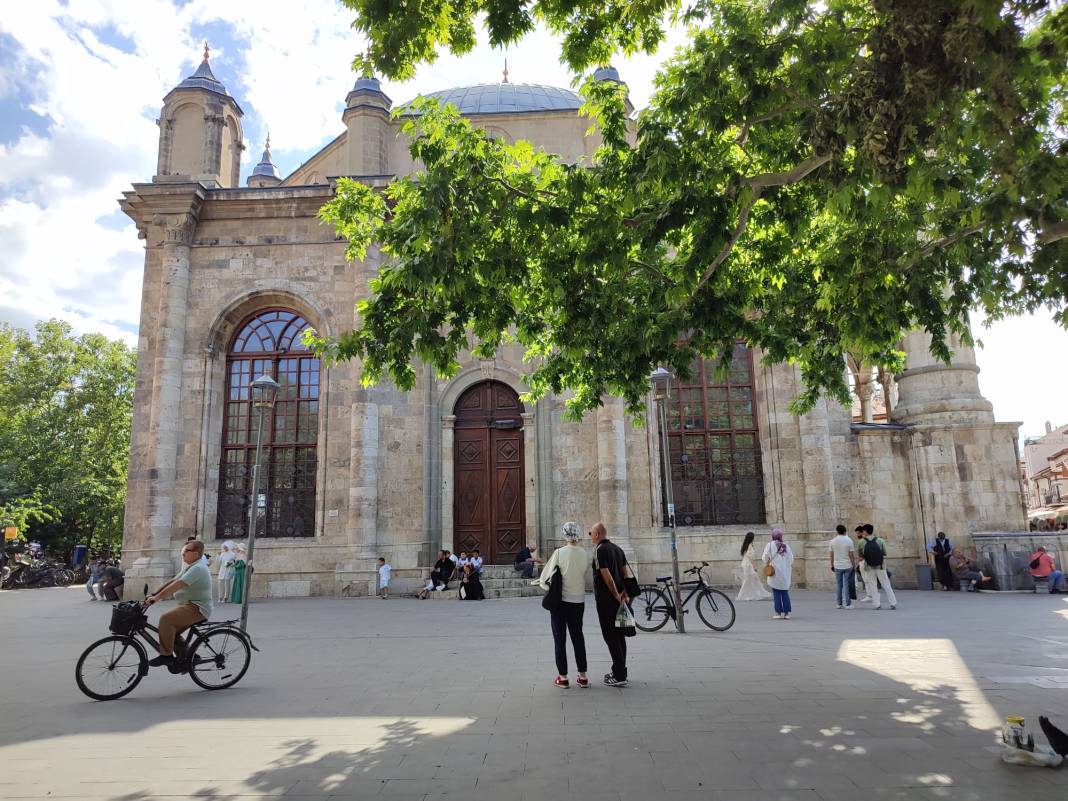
(192,589)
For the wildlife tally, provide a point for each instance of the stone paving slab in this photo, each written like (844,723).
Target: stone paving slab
(404,700)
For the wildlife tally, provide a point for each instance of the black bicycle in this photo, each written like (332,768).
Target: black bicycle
(656,603)
(215,655)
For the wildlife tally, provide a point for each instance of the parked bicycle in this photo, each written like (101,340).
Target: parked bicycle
(215,655)
(656,603)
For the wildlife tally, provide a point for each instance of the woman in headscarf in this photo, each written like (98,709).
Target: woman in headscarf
(226,570)
(574,564)
(237,593)
(778,555)
(752,589)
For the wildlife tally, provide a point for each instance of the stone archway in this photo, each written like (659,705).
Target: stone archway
(488,472)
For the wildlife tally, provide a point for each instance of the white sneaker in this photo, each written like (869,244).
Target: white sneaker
(786,616)
(865,599)
(849,606)
(837,606)
(776,616)
(440,587)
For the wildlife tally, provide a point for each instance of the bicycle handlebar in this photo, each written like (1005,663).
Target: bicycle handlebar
(696,568)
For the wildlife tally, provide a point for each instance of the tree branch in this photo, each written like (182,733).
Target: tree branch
(1053,232)
(759,183)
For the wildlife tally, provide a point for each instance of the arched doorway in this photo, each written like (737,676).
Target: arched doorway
(488,511)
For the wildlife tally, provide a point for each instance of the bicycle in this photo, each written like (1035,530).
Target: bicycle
(215,655)
(655,604)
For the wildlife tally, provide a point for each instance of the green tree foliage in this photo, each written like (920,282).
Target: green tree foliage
(815,178)
(65,414)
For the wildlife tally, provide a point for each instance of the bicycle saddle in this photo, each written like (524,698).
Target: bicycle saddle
(663,578)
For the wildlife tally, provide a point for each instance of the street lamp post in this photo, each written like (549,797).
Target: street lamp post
(661,379)
(264,392)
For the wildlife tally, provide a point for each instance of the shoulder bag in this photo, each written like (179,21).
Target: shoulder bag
(554,598)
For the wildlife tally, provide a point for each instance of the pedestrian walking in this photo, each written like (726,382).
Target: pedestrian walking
(778,559)
(752,589)
(237,593)
(96,572)
(843,562)
(874,558)
(573,563)
(610,568)
(384,570)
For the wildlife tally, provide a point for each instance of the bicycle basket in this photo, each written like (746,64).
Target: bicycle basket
(126,616)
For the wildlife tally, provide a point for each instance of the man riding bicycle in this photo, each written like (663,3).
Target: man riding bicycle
(192,589)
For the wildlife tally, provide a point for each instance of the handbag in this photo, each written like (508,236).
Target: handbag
(554,598)
(1034,563)
(630,583)
(769,569)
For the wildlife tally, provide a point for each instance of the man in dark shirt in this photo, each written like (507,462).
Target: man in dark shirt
(525,561)
(111,583)
(609,569)
(442,571)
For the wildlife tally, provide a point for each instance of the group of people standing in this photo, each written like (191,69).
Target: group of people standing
(849,560)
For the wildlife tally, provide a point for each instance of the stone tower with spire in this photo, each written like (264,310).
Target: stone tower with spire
(265,174)
(200,132)
(367,119)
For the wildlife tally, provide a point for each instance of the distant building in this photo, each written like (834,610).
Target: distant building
(1046,466)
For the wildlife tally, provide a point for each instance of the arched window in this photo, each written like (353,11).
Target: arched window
(270,343)
(713,445)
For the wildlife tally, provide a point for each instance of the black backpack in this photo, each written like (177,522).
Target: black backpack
(873,554)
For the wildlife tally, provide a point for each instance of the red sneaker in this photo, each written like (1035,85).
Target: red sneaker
(583,682)
(562,683)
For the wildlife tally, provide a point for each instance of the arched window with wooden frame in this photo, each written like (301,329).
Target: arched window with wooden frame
(270,342)
(714,445)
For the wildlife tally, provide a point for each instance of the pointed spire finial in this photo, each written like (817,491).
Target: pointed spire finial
(267,144)
(207,50)
(505,71)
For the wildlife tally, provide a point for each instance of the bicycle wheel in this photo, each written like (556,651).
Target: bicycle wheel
(111,667)
(715,609)
(220,658)
(63,577)
(650,609)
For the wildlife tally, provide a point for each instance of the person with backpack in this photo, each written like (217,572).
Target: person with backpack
(874,552)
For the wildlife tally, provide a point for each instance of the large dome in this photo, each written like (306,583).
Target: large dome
(508,98)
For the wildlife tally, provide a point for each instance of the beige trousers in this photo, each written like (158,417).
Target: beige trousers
(177,620)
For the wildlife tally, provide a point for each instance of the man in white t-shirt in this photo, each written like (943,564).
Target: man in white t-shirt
(843,562)
(383,578)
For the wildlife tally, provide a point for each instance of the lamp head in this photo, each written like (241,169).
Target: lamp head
(661,380)
(264,392)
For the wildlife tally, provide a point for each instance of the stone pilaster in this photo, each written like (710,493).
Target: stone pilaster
(448,429)
(530,478)
(156,558)
(363,486)
(612,470)
(821,504)
(213,125)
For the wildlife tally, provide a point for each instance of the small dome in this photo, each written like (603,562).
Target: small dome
(204,78)
(607,74)
(508,98)
(266,166)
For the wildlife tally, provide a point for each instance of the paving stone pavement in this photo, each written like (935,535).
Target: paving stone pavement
(408,700)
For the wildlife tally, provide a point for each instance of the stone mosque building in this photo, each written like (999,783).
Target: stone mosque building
(234,274)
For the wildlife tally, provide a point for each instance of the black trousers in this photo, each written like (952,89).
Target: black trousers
(438,578)
(607,607)
(945,575)
(110,594)
(569,621)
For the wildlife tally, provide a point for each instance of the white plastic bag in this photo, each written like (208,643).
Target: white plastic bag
(624,617)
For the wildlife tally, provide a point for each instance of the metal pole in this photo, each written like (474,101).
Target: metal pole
(252,514)
(669,495)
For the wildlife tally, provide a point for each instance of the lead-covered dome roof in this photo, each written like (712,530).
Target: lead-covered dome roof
(507,98)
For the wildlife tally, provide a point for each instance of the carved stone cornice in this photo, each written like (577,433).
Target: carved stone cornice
(177,228)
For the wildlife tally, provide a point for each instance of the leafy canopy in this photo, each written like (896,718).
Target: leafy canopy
(814,178)
(65,415)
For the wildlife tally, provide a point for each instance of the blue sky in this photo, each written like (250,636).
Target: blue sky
(81,84)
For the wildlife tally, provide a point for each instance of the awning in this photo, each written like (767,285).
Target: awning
(1047,512)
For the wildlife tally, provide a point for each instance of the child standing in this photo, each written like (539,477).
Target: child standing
(383,578)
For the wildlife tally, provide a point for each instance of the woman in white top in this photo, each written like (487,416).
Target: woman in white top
(573,563)
(778,554)
(752,589)
(226,570)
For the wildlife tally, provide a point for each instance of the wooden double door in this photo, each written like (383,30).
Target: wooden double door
(488,510)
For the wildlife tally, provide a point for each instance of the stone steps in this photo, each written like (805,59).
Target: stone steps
(526,591)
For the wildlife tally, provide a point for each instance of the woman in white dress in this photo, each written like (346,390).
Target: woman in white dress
(226,570)
(778,554)
(752,588)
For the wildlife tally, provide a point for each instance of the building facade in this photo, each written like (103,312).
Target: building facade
(234,275)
